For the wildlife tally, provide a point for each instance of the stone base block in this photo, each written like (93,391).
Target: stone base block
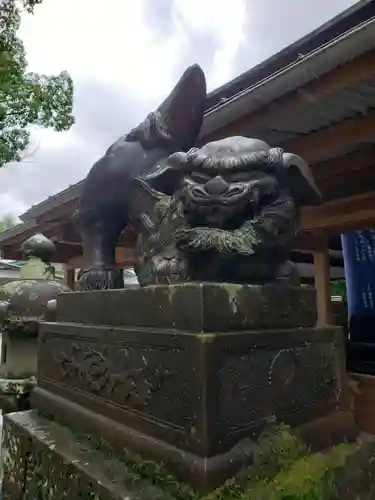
(189,374)
(360,357)
(364,401)
(193,307)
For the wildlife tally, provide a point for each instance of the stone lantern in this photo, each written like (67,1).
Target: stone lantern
(23,304)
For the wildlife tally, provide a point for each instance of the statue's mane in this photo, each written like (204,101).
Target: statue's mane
(152,132)
(194,159)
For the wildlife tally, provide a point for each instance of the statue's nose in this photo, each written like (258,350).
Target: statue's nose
(216,186)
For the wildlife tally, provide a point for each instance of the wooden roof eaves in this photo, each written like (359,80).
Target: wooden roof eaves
(358,13)
(308,67)
(65,196)
(16,231)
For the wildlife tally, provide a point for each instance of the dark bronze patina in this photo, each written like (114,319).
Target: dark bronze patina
(229,214)
(226,212)
(111,199)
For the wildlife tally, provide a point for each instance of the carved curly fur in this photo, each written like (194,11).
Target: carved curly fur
(274,225)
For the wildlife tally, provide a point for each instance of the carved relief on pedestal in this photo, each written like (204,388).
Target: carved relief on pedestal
(152,380)
(92,368)
(275,381)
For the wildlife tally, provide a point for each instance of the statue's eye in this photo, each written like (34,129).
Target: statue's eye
(199,178)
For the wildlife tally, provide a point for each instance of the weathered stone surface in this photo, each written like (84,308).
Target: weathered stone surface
(196,307)
(193,398)
(23,302)
(28,298)
(14,393)
(45,460)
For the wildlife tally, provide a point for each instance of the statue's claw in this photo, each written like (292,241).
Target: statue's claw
(169,269)
(100,278)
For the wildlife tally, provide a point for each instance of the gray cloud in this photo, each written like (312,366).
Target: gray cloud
(161,12)
(274,24)
(105,111)
(161,16)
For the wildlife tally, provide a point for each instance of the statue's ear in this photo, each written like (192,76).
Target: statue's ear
(300,180)
(167,178)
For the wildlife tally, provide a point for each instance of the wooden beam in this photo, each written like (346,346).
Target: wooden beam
(355,212)
(333,140)
(361,175)
(127,238)
(343,165)
(309,241)
(125,264)
(59,212)
(11,253)
(348,184)
(322,275)
(346,76)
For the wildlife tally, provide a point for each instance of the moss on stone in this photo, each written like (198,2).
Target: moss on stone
(284,470)
(308,478)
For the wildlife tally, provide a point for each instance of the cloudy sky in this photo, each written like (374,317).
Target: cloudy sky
(125,55)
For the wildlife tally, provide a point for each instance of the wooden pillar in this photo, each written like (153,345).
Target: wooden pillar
(322,272)
(69,277)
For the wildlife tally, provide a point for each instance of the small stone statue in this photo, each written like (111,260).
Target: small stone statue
(229,213)
(38,251)
(23,303)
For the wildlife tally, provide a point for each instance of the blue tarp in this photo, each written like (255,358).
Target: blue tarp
(359,262)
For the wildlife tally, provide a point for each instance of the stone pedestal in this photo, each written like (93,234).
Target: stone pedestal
(360,357)
(190,374)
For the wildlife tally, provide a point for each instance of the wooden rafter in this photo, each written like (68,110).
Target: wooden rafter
(63,211)
(310,241)
(319,145)
(355,212)
(350,184)
(352,162)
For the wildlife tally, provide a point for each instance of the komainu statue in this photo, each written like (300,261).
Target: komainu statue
(229,213)
(226,212)
(111,199)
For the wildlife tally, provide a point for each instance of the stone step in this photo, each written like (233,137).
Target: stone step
(59,460)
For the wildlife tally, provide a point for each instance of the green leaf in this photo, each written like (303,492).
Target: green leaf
(27,99)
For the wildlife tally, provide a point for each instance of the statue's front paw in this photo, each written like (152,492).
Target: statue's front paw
(100,278)
(201,238)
